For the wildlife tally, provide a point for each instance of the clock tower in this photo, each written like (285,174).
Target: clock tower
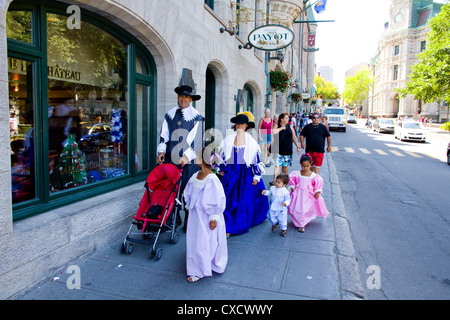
(400,14)
(403,13)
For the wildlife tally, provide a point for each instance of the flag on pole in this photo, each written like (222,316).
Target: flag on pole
(320,6)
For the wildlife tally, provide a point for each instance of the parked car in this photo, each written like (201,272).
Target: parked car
(383,125)
(351,118)
(409,130)
(98,137)
(448,154)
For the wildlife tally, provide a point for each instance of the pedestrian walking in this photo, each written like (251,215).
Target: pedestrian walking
(178,132)
(315,134)
(325,123)
(265,134)
(273,151)
(285,136)
(306,200)
(206,243)
(280,200)
(241,177)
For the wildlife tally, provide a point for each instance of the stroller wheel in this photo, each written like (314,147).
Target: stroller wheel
(151,254)
(159,253)
(173,239)
(129,248)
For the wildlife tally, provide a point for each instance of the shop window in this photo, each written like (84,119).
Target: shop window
(87,104)
(20,26)
(71,107)
(21,129)
(141,65)
(141,160)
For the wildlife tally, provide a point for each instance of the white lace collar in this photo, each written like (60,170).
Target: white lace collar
(251,148)
(189,113)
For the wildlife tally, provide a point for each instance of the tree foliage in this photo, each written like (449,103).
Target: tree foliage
(327,89)
(357,87)
(429,80)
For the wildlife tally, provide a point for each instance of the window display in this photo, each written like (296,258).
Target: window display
(87,104)
(21,129)
(82,103)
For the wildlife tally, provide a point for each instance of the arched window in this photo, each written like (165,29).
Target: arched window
(80,101)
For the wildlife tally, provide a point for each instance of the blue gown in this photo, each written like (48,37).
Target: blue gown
(246,207)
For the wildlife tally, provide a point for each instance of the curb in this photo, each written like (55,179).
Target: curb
(350,282)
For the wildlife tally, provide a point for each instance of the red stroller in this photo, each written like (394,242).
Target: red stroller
(158,210)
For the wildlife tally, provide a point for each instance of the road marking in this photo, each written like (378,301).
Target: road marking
(398,154)
(381,152)
(334,149)
(364,150)
(415,155)
(349,150)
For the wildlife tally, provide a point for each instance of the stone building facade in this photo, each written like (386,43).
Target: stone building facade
(403,39)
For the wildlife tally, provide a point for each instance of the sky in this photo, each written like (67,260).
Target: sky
(353,37)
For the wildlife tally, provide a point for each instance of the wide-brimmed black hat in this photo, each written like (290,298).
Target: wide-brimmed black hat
(187,91)
(242,118)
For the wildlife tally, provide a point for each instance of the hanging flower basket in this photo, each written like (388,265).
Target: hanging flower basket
(280,80)
(296,97)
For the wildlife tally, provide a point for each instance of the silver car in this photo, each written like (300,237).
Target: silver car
(383,125)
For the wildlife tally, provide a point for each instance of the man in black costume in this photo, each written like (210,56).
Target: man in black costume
(178,134)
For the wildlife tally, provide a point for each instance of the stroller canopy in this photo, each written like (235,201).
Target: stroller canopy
(164,177)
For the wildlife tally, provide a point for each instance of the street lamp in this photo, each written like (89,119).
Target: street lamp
(269,98)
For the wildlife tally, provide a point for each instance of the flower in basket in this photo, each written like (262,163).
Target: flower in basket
(280,80)
(296,97)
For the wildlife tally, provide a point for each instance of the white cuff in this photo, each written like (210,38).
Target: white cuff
(161,148)
(190,154)
(214,217)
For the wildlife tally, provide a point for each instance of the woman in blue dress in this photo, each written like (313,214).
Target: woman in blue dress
(246,207)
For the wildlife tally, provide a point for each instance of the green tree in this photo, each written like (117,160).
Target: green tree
(429,80)
(357,87)
(327,89)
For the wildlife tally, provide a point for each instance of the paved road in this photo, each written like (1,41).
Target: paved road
(397,200)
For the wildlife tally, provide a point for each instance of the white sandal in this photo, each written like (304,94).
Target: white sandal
(193,279)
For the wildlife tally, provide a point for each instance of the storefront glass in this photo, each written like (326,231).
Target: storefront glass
(21,129)
(142,143)
(87,104)
(19,26)
(82,105)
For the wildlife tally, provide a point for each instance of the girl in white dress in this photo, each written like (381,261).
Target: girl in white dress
(205,235)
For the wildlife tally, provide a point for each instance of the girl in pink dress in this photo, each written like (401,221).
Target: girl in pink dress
(206,241)
(306,201)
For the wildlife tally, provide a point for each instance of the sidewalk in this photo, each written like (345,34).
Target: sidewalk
(317,264)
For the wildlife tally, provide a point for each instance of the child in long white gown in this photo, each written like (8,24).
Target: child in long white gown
(206,243)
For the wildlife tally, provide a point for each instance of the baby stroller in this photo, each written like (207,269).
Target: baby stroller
(158,210)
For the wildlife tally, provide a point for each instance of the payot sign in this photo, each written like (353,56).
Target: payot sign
(271,37)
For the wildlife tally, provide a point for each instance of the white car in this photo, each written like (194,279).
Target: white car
(351,118)
(409,130)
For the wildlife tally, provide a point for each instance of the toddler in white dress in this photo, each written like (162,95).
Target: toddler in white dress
(280,200)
